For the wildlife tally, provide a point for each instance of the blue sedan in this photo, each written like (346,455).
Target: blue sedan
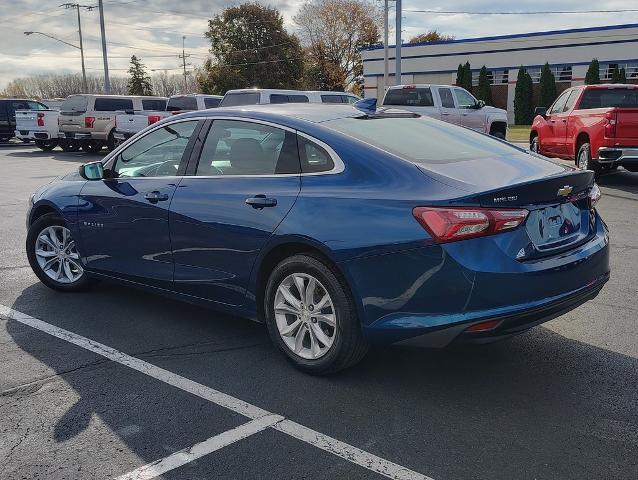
(336,227)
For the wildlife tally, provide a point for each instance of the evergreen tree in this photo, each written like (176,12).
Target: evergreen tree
(484,88)
(547,87)
(467,77)
(139,83)
(459,76)
(592,77)
(619,75)
(523,103)
(623,76)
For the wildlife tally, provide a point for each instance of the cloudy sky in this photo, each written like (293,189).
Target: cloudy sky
(153,29)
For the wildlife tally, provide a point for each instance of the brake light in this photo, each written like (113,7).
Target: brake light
(88,122)
(594,195)
(40,119)
(153,118)
(410,87)
(610,125)
(483,326)
(450,224)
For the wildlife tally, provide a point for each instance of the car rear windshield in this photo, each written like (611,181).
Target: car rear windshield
(421,140)
(409,97)
(211,102)
(105,104)
(238,99)
(283,98)
(74,103)
(156,104)
(181,103)
(613,97)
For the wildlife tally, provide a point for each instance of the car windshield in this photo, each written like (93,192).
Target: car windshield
(421,140)
(613,97)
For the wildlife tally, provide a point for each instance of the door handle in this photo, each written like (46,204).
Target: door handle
(155,196)
(445,113)
(260,201)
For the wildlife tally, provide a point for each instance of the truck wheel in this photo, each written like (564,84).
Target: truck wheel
(70,145)
(46,145)
(111,143)
(584,160)
(533,145)
(92,146)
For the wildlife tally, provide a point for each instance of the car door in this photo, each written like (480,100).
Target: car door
(449,113)
(561,123)
(556,129)
(123,219)
(469,115)
(239,188)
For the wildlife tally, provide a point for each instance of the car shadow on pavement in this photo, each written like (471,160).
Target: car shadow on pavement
(620,179)
(543,401)
(79,157)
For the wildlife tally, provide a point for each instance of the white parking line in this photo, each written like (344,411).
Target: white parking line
(187,455)
(295,430)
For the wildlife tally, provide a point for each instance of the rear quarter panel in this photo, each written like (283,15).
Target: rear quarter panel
(588,122)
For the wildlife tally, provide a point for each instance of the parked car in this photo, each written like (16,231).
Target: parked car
(38,125)
(594,125)
(450,104)
(8,107)
(129,123)
(90,119)
(255,96)
(335,227)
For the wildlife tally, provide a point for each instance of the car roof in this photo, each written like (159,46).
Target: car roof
(420,85)
(284,91)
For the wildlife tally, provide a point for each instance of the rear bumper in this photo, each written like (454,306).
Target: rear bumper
(34,135)
(624,156)
(121,136)
(75,135)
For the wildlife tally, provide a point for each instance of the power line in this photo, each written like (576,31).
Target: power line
(546,12)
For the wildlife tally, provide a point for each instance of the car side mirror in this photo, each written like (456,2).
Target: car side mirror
(367,105)
(480,104)
(542,111)
(92,171)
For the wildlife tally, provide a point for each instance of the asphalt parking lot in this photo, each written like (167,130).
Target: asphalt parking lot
(113,382)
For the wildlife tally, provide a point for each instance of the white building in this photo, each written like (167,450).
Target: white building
(569,53)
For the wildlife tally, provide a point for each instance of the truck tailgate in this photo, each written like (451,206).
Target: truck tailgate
(26,120)
(627,125)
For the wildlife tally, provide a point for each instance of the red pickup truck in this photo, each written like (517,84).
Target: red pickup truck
(595,125)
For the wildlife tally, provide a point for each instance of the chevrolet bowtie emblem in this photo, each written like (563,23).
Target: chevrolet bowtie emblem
(565,191)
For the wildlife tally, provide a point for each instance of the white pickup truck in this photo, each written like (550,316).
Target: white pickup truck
(450,104)
(42,127)
(129,123)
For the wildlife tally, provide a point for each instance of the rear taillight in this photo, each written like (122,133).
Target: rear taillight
(610,125)
(449,224)
(40,119)
(153,118)
(594,196)
(88,122)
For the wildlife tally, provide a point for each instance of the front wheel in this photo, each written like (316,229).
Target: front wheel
(46,145)
(584,160)
(533,145)
(311,316)
(70,145)
(53,255)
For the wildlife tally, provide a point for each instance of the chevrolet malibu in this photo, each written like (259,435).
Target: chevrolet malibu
(337,228)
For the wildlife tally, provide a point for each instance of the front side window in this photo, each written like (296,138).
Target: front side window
(112,104)
(571,99)
(409,97)
(559,104)
(464,99)
(176,104)
(211,102)
(157,154)
(447,100)
(36,106)
(235,147)
(239,99)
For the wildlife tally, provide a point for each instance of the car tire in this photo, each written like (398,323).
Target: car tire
(499,135)
(92,146)
(324,347)
(584,160)
(46,145)
(533,145)
(110,142)
(58,264)
(70,145)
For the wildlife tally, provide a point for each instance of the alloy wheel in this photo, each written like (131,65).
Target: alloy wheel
(305,316)
(57,255)
(583,160)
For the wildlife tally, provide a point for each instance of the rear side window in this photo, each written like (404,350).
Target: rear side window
(74,103)
(447,100)
(314,158)
(103,104)
(235,147)
(156,104)
(281,98)
(333,99)
(606,98)
(211,102)
(176,104)
(409,97)
(237,99)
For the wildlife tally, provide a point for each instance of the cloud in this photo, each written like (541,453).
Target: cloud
(153,29)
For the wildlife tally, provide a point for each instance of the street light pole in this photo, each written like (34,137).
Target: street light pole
(397,54)
(107,82)
(385,46)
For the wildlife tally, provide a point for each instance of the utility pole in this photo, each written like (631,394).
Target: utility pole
(397,54)
(183,57)
(385,46)
(107,82)
(77,6)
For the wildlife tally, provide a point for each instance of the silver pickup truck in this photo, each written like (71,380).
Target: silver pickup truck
(450,104)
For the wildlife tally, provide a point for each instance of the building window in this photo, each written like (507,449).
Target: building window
(564,74)
(493,76)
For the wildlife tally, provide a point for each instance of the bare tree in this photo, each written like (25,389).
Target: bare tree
(333,32)
(60,86)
